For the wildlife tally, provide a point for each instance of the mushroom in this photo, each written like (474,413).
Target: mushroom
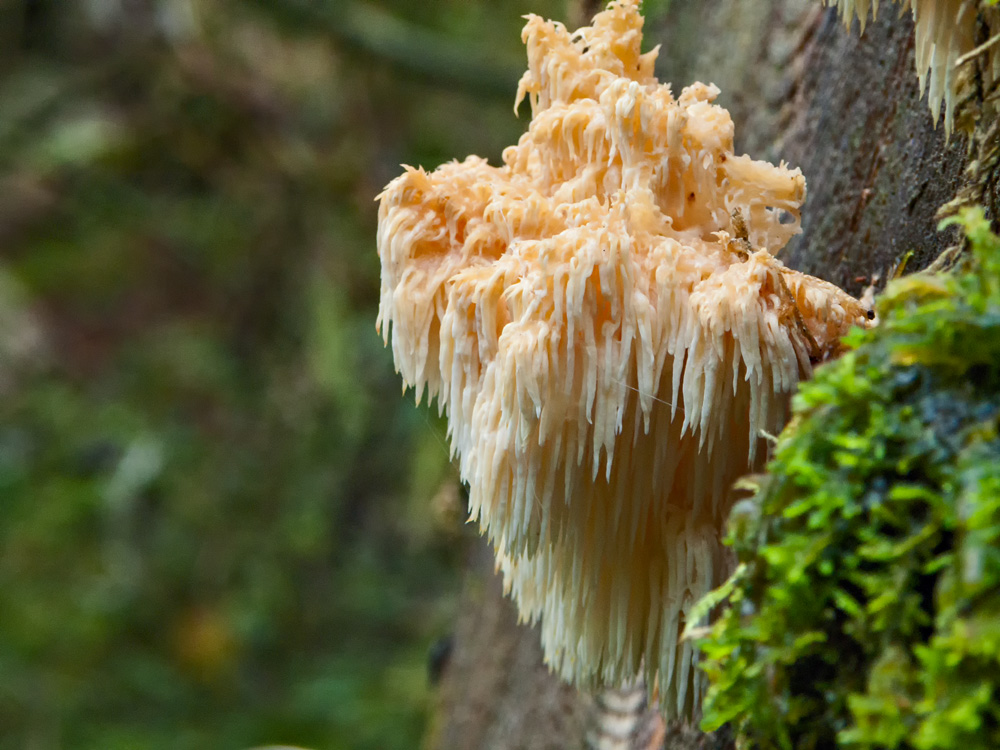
(605,324)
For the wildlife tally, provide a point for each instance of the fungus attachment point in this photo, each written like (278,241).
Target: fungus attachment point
(605,324)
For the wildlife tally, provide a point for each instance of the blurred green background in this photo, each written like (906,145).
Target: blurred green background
(221,525)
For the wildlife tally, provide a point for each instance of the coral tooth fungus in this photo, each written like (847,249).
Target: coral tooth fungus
(607,342)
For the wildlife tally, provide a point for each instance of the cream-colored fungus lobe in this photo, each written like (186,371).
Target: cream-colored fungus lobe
(604,322)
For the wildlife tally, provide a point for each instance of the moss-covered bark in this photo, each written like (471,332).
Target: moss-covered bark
(868,558)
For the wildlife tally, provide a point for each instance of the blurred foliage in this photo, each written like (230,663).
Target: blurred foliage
(865,612)
(216,516)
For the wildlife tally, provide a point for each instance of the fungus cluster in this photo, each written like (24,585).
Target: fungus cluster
(945,36)
(604,322)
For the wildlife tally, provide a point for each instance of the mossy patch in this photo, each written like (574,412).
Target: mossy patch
(865,612)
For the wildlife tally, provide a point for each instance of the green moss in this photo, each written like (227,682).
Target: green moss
(865,612)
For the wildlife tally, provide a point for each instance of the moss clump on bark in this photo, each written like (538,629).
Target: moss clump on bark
(865,611)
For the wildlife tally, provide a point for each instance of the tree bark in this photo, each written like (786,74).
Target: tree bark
(495,693)
(846,109)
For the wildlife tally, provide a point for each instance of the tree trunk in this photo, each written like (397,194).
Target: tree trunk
(846,109)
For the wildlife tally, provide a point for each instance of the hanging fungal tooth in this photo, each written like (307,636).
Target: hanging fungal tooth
(606,359)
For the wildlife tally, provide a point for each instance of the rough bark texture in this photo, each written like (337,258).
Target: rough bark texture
(495,692)
(843,107)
